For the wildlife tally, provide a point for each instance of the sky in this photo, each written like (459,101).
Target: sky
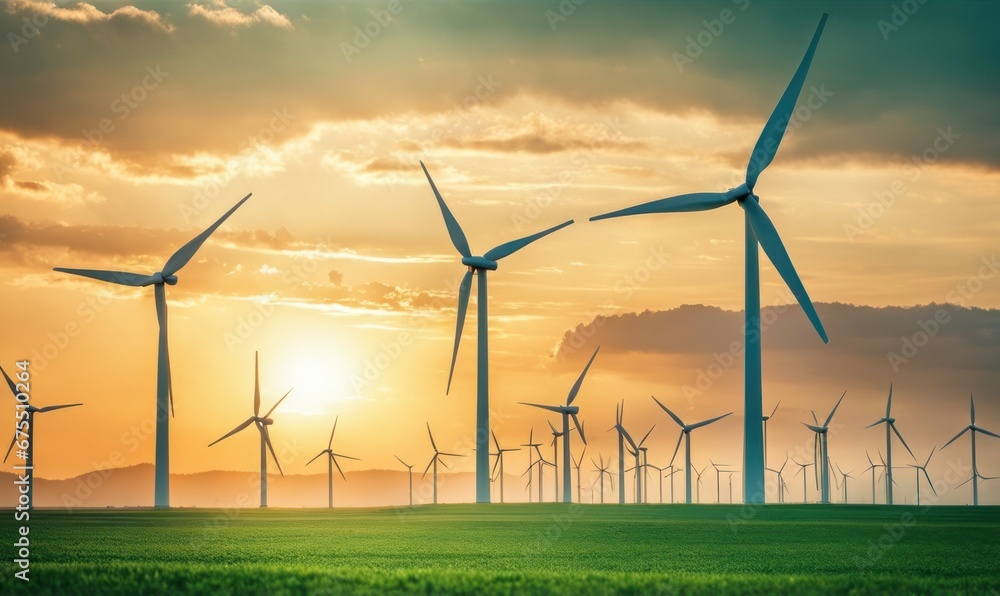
(128,128)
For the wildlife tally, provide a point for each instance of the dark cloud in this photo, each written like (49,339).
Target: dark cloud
(335,277)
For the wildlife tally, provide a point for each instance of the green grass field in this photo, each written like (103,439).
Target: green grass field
(514,549)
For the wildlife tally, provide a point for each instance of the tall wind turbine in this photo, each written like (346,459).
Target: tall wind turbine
(29,436)
(567,411)
(602,470)
(686,436)
(576,464)
(333,462)
(164,387)
(890,427)
(499,455)
(758,229)
(262,422)
(764,419)
(802,470)
(918,469)
(437,458)
(479,266)
(822,433)
(976,476)
(410,468)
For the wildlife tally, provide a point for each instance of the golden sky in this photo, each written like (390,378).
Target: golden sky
(339,270)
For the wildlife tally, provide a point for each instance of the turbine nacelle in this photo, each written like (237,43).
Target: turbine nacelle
(480,263)
(740,192)
(159,278)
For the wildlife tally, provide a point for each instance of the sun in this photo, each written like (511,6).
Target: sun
(316,372)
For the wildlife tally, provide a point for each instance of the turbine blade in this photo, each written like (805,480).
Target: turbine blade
(834,411)
(184,254)
(964,430)
(679,422)
(163,347)
(330,444)
(275,406)
(579,428)
(876,423)
(972,409)
(256,384)
(402,462)
(454,230)
(464,290)
(248,422)
(166,351)
(52,408)
(555,409)
(495,442)
(427,469)
(926,463)
(509,248)
(987,432)
(929,483)
(698,201)
(895,430)
(116,277)
(451,455)
(433,444)
(680,437)
(315,458)
(10,383)
(770,138)
(770,241)
(647,435)
(628,437)
(707,422)
(267,440)
(815,429)
(579,381)
(775,409)
(888,402)
(12,441)
(554,431)
(338,466)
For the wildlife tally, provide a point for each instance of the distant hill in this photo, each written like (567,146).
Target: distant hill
(132,486)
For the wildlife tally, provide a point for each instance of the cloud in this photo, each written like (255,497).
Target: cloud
(222,15)
(540,134)
(85,14)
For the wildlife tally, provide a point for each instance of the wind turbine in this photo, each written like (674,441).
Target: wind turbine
(699,481)
(822,433)
(164,387)
(718,480)
(555,457)
(758,229)
(632,449)
(262,422)
(531,462)
(479,265)
(845,476)
(976,476)
(434,462)
(499,454)
(686,436)
(918,468)
(802,470)
(29,417)
(577,464)
(781,481)
(764,420)
(619,416)
(673,472)
(731,487)
(890,425)
(871,466)
(602,470)
(567,411)
(410,468)
(333,462)
(641,487)
(660,472)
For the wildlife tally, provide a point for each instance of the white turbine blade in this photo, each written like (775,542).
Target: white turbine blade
(679,422)
(256,384)
(972,409)
(647,435)
(330,444)
(10,383)
(123,278)
(931,484)
(834,410)
(495,442)
(332,457)
(454,230)
(892,425)
(275,406)
(184,254)
(52,408)
(163,348)
(987,432)
(680,437)
(12,441)
(429,464)
(964,430)
(433,444)
(267,440)
(248,422)
(555,409)
(345,456)
(707,422)
(775,409)
(315,458)
(579,428)
(464,291)
(579,381)
(509,248)
(402,462)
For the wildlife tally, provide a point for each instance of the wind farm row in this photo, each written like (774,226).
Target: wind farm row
(760,233)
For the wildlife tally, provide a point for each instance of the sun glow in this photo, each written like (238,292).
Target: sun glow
(316,372)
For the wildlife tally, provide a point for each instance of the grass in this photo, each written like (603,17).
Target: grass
(514,549)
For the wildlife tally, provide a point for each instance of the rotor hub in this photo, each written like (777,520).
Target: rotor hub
(480,263)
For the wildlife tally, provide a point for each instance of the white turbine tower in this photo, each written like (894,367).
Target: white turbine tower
(332,462)
(972,429)
(262,422)
(437,458)
(890,427)
(686,437)
(164,388)
(410,469)
(824,455)
(479,266)
(499,456)
(758,230)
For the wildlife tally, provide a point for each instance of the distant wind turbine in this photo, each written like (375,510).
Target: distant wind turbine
(718,479)
(410,468)
(699,481)
(434,462)
(29,434)
(479,266)
(602,469)
(619,416)
(576,464)
(802,470)
(972,429)
(845,476)
(261,422)
(764,420)
(781,481)
(822,433)
(890,427)
(871,466)
(918,469)
(332,462)
(567,411)
(531,444)
(686,437)
(499,456)
(758,229)
(164,387)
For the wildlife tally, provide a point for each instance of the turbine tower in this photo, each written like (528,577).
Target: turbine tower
(29,436)
(531,444)
(262,422)
(410,468)
(872,466)
(845,476)
(718,480)
(437,458)
(890,427)
(976,476)
(764,419)
(333,462)
(499,456)
(602,470)
(802,470)
(164,387)
(479,266)
(567,411)
(576,464)
(686,436)
(619,416)
(634,450)
(822,433)
(758,229)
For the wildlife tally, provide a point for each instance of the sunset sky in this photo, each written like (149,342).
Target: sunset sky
(128,128)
